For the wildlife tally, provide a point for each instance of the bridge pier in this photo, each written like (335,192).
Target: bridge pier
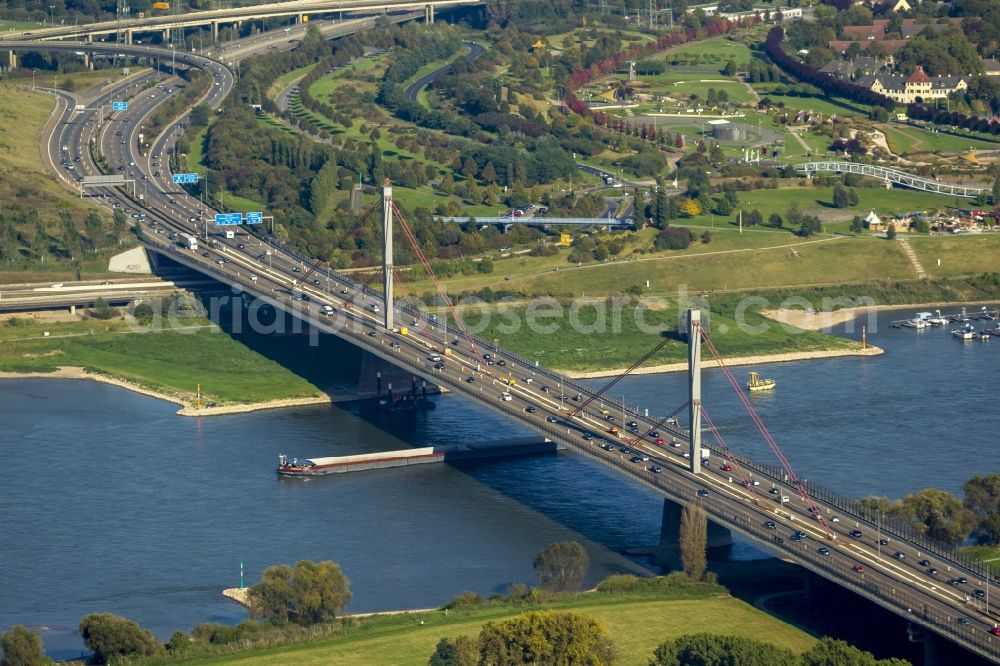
(668,554)
(11,60)
(166,35)
(429,14)
(387,256)
(128,36)
(215,31)
(694,387)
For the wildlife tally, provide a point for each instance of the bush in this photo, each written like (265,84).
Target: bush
(112,636)
(22,647)
(674,238)
(466,600)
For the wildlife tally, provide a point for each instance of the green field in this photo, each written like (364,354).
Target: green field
(969,254)
(15,26)
(286,78)
(903,140)
(228,371)
(636,626)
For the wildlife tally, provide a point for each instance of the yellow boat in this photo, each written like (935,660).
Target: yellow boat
(758,384)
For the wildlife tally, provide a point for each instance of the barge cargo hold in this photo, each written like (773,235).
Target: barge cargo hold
(429,454)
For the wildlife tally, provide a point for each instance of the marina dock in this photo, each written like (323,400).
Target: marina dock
(519,446)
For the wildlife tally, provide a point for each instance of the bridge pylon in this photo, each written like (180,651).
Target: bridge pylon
(387,255)
(694,387)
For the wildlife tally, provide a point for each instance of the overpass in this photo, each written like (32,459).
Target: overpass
(893,176)
(824,532)
(300,9)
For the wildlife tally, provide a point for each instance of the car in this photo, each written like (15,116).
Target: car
(241,246)
(205,254)
(295,269)
(106,283)
(439,366)
(979,594)
(625,449)
(471,380)
(545,389)
(633,424)
(552,419)
(499,361)
(774,491)
(372,334)
(925,563)
(56,285)
(963,620)
(607,447)
(343,291)
(658,441)
(770,524)
(655,434)
(506,397)
(858,568)
(931,571)
(835,519)
(655,469)
(223,261)
(636,459)
(899,555)
(527,380)
(995,631)
(797,536)
(726,467)
(315,282)
(609,418)
(962,580)
(823,550)
(702,492)
(855,534)
(883,542)
(434,357)
(587,436)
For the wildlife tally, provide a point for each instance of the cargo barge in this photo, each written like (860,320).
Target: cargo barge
(307,467)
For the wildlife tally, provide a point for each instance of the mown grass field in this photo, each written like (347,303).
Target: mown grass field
(173,362)
(279,83)
(903,140)
(959,255)
(636,626)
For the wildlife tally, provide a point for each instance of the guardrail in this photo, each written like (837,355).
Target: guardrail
(895,176)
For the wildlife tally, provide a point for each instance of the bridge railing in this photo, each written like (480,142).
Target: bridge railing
(851,509)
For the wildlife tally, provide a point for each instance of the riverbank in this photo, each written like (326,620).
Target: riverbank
(821,321)
(187,407)
(741,360)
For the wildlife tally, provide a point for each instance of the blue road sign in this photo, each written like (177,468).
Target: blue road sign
(255,218)
(182,178)
(119,106)
(229,218)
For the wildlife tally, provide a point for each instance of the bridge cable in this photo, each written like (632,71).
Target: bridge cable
(791,477)
(343,237)
(729,455)
(456,316)
(659,424)
(620,377)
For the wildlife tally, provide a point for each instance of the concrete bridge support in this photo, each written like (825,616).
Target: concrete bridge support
(377,375)
(668,553)
(166,35)
(215,31)
(11,60)
(694,387)
(429,14)
(128,36)
(387,256)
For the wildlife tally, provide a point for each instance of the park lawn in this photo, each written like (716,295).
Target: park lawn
(636,628)
(282,81)
(8,26)
(915,140)
(988,554)
(828,106)
(969,254)
(829,260)
(324,86)
(737,92)
(590,335)
(717,49)
(271,122)
(228,371)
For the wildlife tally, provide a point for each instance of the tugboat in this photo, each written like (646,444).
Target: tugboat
(758,384)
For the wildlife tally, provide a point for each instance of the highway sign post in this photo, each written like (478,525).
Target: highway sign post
(255,218)
(119,106)
(184,178)
(228,218)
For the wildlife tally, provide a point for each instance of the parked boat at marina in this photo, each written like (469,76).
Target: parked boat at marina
(967,332)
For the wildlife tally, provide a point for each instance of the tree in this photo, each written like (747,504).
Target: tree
(841,199)
(857,224)
(852,197)
(890,232)
(809,225)
(102,310)
(776,221)
(311,592)
(729,69)
(545,637)
(830,652)
(794,214)
(996,191)
(22,647)
(561,566)
(715,650)
(938,514)
(982,497)
(690,208)
(693,539)
(463,651)
(755,218)
(673,238)
(112,636)
(661,208)
(723,208)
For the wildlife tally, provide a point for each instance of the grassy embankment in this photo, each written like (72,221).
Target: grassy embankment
(170,362)
(27,182)
(636,622)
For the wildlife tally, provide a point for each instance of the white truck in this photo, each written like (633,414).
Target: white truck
(189,241)
(705,455)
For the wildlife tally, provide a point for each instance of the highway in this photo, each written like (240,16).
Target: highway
(913,584)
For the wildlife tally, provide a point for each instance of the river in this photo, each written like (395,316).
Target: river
(112,503)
